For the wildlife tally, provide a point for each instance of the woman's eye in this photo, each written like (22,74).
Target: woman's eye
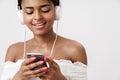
(45,9)
(29,13)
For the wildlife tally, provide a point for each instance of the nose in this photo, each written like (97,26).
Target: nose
(37,15)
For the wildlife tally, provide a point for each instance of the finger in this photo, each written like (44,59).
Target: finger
(43,75)
(27,61)
(50,61)
(35,65)
(32,72)
(38,72)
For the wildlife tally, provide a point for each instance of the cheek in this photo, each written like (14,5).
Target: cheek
(27,19)
(50,18)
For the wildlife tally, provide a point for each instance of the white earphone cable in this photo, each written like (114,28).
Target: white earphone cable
(24,43)
(56,37)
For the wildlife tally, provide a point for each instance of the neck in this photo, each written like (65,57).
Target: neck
(46,43)
(46,40)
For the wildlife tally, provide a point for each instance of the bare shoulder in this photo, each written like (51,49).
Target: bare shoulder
(76,51)
(14,50)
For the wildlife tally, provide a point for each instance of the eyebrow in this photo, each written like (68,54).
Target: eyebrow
(30,7)
(45,5)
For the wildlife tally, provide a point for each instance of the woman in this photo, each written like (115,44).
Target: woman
(66,58)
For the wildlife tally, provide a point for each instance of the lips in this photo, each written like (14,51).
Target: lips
(39,25)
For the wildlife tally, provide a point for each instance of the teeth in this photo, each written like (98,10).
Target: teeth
(38,24)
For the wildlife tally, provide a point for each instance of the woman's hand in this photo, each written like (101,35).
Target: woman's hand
(53,72)
(26,71)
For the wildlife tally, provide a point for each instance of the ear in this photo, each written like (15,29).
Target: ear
(20,15)
(57,12)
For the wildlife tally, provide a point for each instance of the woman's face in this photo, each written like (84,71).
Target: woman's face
(38,15)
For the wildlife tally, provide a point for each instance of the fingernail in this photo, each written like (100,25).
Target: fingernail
(33,58)
(31,62)
(46,58)
(44,72)
(44,69)
(41,62)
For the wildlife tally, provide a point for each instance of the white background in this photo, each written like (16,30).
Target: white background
(94,23)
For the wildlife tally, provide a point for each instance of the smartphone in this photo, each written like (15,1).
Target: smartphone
(39,57)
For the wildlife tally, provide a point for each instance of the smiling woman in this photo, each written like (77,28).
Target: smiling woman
(38,16)
(64,59)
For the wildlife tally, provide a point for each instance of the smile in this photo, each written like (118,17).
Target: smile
(39,25)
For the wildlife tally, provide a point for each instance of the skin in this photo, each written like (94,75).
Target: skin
(43,12)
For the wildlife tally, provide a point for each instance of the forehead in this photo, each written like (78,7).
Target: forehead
(35,2)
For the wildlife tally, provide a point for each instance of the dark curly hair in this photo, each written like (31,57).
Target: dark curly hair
(55,2)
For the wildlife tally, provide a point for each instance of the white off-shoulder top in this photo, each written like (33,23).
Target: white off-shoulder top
(72,71)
